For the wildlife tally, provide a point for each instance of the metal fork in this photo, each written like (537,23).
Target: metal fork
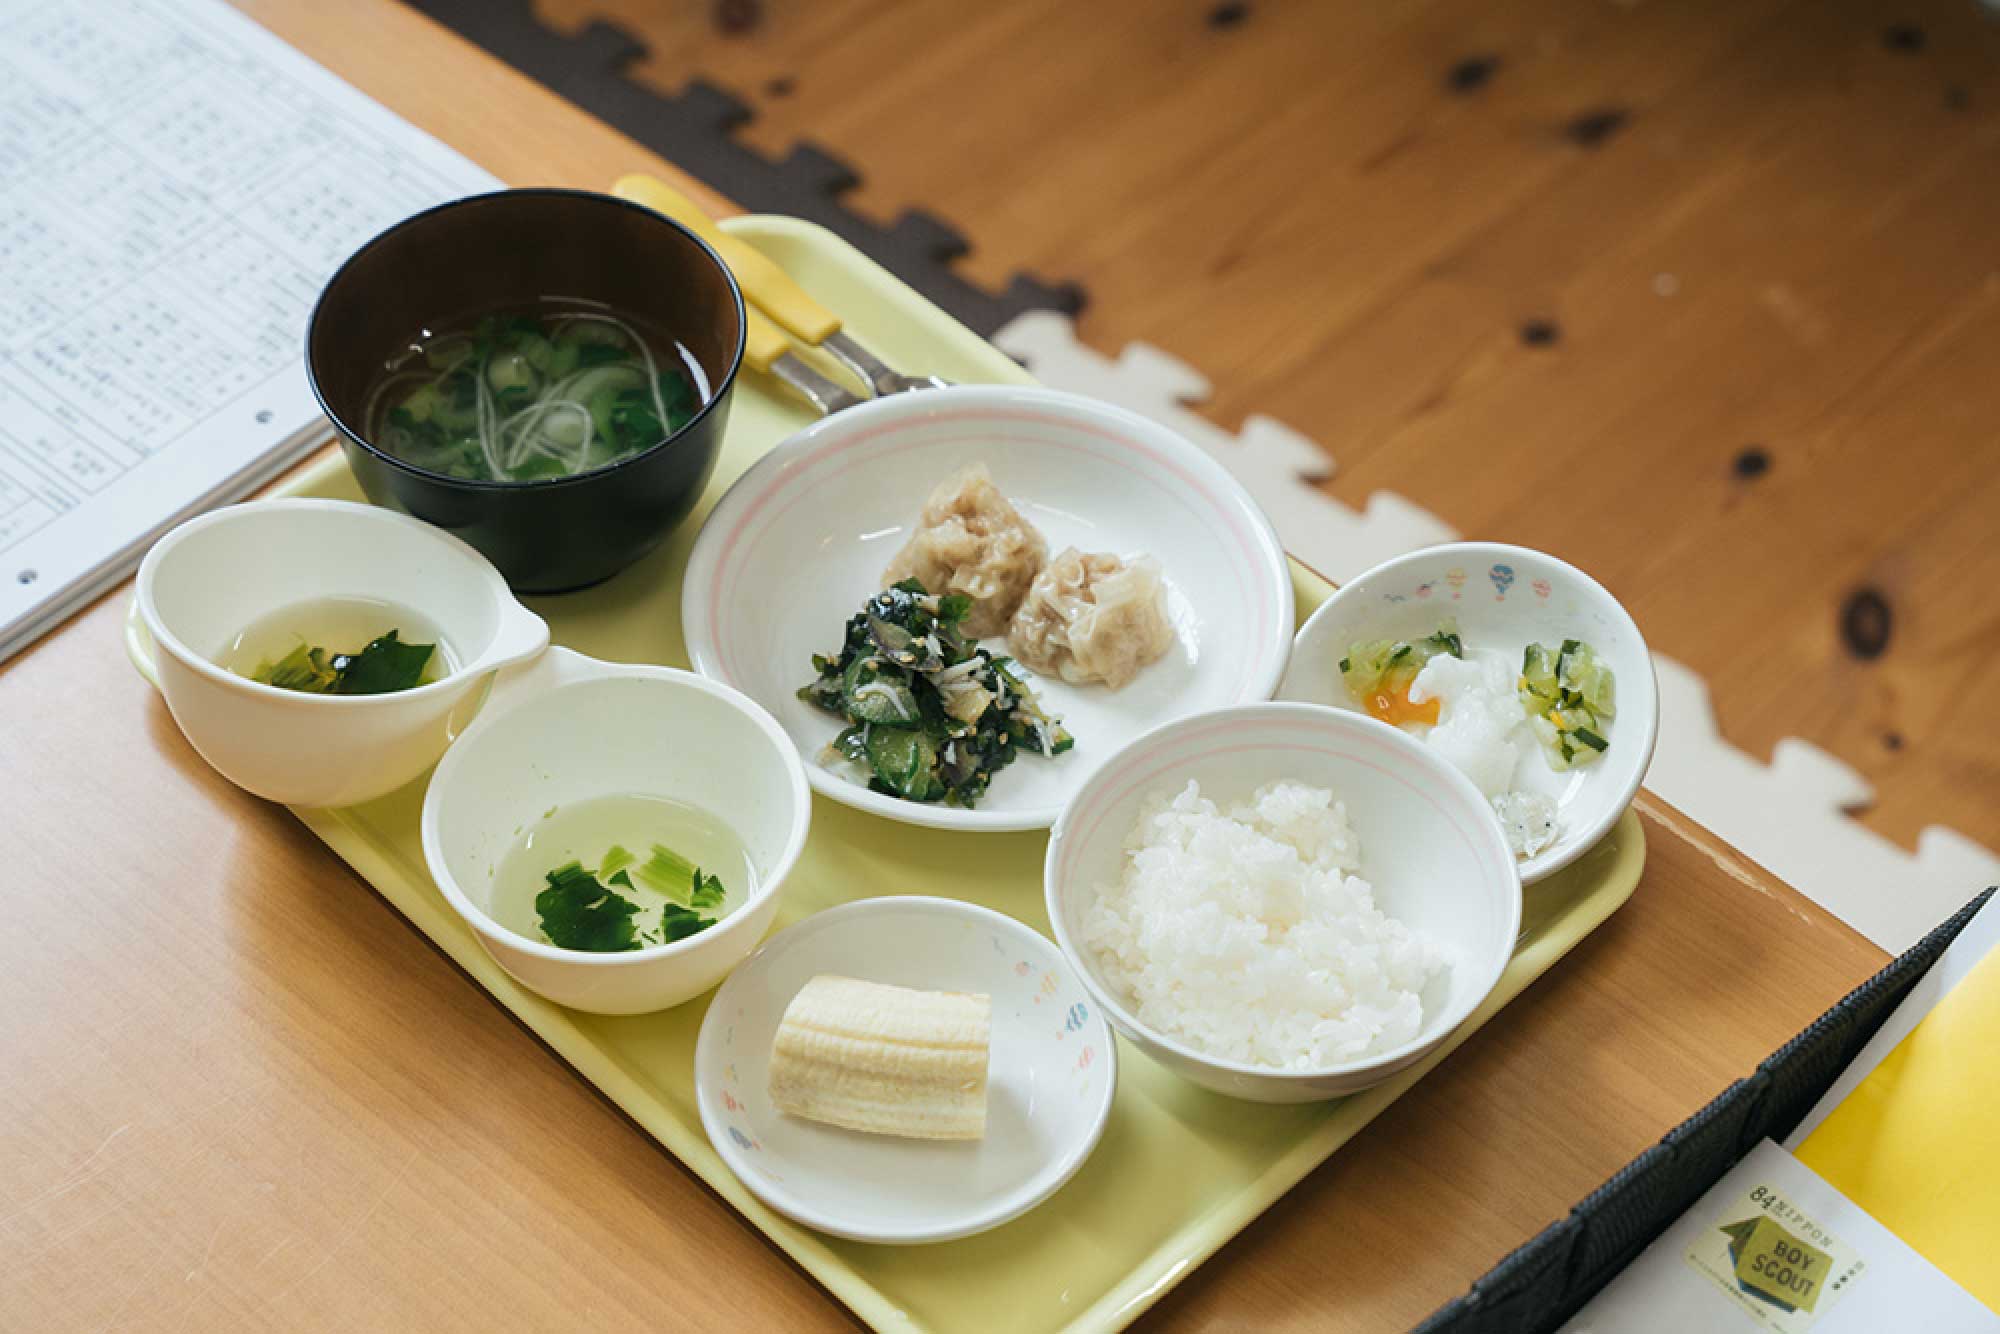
(766,348)
(874,372)
(783,307)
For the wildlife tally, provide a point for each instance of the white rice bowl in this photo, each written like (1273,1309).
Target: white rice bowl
(1246,934)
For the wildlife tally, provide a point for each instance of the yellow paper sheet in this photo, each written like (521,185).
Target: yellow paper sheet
(1917,1143)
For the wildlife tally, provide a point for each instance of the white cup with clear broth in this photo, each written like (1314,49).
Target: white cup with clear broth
(288,640)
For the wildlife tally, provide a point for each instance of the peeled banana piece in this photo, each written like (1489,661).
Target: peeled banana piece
(882,1059)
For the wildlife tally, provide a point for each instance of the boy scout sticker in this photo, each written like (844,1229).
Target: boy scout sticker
(1776,1264)
(1773,1264)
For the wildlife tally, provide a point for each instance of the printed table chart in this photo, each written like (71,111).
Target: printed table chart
(168,208)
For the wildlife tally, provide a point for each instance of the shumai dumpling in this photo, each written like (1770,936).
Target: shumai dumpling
(1090,616)
(972,540)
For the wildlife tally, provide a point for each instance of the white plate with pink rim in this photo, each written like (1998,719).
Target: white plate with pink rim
(1051,1075)
(1502,598)
(802,540)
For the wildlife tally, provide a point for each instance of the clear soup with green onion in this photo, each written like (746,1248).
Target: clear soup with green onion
(528,395)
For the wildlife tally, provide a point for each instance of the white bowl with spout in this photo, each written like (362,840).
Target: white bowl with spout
(203,583)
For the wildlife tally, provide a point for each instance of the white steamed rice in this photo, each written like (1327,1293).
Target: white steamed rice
(1247,936)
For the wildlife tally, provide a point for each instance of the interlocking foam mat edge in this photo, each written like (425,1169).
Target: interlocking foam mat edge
(696,129)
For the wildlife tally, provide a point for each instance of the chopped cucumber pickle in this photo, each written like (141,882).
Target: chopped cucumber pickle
(1568,694)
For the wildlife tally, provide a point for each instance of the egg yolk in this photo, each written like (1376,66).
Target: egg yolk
(1390,701)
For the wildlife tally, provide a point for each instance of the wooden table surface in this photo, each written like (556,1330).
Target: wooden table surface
(238,1091)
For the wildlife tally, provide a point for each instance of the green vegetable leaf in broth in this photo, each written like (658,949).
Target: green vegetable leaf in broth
(404,418)
(675,391)
(667,872)
(634,425)
(596,354)
(536,350)
(537,467)
(444,354)
(385,665)
(678,923)
(304,669)
(562,359)
(578,913)
(498,400)
(707,891)
(678,396)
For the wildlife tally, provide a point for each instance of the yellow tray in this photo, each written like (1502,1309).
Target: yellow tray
(1179,1171)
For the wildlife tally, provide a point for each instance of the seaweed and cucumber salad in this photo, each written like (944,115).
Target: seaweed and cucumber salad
(524,397)
(931,716)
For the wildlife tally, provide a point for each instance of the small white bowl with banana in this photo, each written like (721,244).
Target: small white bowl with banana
(904,1070)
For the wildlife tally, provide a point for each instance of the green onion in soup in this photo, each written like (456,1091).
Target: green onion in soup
(526,397)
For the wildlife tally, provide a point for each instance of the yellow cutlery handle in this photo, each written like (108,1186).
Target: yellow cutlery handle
(763,341)
(764,284)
